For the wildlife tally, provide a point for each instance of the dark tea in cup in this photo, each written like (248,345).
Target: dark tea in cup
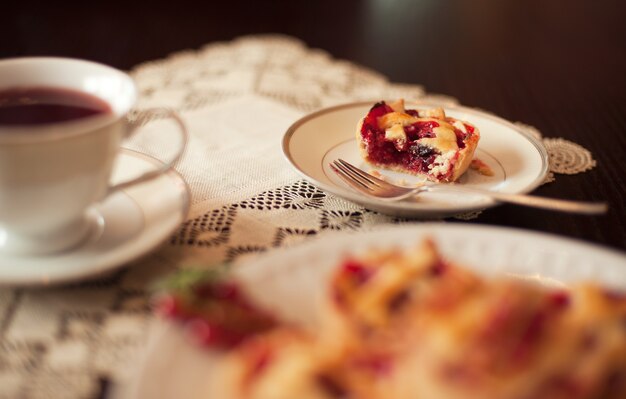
(42,105)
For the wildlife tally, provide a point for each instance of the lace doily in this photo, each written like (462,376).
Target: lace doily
(567,157)
(237,99)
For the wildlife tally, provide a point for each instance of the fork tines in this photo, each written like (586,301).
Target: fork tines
(353,174)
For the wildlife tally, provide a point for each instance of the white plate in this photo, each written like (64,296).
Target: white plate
(126,225)
(519,161)
(290,283)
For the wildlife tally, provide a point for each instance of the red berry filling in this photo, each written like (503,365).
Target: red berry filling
(331,386)
(351,275)
(214,311)
(356,272)
(259,355)
(514,329)
(378,364)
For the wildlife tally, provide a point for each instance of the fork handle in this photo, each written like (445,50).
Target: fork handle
(588,208)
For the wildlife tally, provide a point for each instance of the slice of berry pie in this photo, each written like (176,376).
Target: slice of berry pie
(419,142)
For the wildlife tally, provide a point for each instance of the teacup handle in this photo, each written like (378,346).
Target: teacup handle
(168,113)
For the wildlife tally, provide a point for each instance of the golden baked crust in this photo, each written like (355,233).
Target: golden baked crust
(466,155)
(432,153)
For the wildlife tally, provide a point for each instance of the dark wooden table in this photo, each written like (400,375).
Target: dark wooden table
(557,65)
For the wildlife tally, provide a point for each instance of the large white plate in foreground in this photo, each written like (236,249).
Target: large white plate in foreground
(519,161)
(126,225)
(291,282)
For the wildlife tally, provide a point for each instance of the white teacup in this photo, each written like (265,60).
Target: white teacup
(53,173)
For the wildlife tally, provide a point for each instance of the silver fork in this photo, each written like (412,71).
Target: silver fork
(375,187)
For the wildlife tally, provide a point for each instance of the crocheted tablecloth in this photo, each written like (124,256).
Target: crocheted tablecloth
(237,99)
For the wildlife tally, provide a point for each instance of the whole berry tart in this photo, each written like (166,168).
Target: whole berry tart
(419,142)
(408,323)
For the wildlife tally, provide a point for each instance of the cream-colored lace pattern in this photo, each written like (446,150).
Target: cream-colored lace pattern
(237,98)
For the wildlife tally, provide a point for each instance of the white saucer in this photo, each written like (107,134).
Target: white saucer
(518,160)
(126,225)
